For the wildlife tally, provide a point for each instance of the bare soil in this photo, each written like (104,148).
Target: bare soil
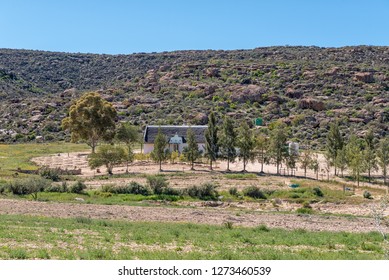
(197,215)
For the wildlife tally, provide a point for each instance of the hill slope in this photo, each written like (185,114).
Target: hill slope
(307,87)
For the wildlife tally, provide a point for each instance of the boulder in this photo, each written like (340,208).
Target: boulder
(292,93)
(252,93)
(201,119)
(365,77)
(309,103)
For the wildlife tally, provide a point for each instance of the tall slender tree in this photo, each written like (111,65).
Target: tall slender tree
(211,140)
(228,141)
(355,158)
(369,153)
(262,143)
(246,144)
(129,135)
(191,152)
(277,146)
(334,143)
(306,160)
(158,154)
(341,160)
(383,157)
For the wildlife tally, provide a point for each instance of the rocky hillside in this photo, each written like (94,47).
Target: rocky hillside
(306,87)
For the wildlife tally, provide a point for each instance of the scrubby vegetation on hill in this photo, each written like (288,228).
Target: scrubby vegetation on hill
(306,87)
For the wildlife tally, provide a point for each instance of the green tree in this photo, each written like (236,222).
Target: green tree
(355,157)
(341,160)
(306,159)
(277,145)
(246,144)
(211,140)
(334,143)
(262,143)
(383,157)
(191,152)
(315,165)
(228,141)
(159,154)
(129,135)
(91,119)
(369,153)
(108,156)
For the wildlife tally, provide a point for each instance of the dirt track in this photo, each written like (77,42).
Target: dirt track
(199,215)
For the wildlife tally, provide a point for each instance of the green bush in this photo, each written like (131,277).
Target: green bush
(131,188)
(77,187)
(157,183)
(63,188)
(233,191)
(206,191)
(171,191)
(50,173)
(317,191)
(367,194)
(304,210)
(28,185)
(254,192)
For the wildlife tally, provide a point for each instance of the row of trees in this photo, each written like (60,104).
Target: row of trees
(358,155)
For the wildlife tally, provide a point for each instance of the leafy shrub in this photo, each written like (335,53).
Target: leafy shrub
(367,194)
(30,185)
(77,187)
(317,191)
(254,192)
(233,191)
(137,188)
(206,191)
(170,191)
(228,225)
(63,188)
(157,183)
(304,210)
(2,188)
(131,188)
(50,173)
(262,228)
(107,188)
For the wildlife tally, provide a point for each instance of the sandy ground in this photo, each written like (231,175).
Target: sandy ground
(198,215)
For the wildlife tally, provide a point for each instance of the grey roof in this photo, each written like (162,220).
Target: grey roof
(151,132)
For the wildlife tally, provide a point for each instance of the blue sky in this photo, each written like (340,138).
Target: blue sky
(124,27)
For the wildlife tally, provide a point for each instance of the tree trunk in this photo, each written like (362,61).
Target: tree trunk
(369,174)
(160,165)
(192,168)
(228,164)
(210,166)
(244,165)
(262,166)
(358,179)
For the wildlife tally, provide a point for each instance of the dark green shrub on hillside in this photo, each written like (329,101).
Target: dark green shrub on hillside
(254,192)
